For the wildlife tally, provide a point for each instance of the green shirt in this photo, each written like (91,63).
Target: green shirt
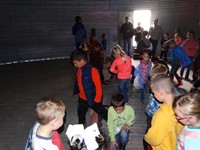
(117,121)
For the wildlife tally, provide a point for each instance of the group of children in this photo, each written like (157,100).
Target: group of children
(173,118)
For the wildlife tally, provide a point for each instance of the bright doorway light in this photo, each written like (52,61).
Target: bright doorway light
(144,17)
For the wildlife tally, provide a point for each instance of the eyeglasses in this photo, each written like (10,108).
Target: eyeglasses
(180,118)
(122,104)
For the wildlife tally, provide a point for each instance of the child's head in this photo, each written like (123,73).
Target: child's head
(145,55)
(78,58)
(103,36)
(78,19)
(171,43)
(94,38)
(98,47)
(84,38)
(50,111)
(191,35)
(117,50)
(187,109)
(161,86)
(155,60)
(144,33)
(118,102)
(166,36)
(157,70)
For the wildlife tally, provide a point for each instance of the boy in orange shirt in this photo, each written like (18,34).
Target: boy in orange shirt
(88,86)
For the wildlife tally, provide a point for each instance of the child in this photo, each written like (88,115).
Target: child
(153,104)
(164,126)
(120,118)
(78,30)
(191,48)
(141,73)
(96,57)
(84,46)
(89,87)
(178,57)
(165,47)
(187,110)
(49,114)
(143,43)
(122,66)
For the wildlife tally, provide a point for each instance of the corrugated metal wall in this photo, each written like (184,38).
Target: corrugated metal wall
(32,29)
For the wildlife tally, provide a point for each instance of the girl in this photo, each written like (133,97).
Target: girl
(141,73)
(187,110)
(122,67)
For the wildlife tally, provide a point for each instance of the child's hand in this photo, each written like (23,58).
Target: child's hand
(126,127)
(112,144)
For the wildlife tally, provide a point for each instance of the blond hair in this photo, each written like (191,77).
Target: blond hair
(118,50)
(163,82)
(157,70)
(188,104)
(48,109)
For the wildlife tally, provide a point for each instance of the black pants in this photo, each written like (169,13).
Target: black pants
(83,107)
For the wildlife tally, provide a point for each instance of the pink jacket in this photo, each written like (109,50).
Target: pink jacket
(191,47)
(122,69)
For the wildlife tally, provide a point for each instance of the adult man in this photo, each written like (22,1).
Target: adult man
(155,33)
(127,31)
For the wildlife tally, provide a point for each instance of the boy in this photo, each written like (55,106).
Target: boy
(120,118)
(153,104)
(49,114)
(88,85)
(164,127)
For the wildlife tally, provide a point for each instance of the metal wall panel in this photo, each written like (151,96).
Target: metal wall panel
(32,29)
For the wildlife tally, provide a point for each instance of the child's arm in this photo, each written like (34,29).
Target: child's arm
(130,121)
(75,88)
(98,86)
(158,130)
(113,67)
(111,125)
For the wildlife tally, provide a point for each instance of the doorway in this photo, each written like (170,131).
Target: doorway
(144,17)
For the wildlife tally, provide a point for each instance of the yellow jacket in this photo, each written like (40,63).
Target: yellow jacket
(164,129)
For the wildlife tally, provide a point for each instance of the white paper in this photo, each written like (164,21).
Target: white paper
(73,130)
(89,134)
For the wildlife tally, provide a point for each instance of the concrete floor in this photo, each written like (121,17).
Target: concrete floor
(23,84)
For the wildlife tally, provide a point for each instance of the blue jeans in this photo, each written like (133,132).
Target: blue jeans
(174,70)
(143,91)
(121,138)
(154,45)
(123,86)
(188,70)
(127,42)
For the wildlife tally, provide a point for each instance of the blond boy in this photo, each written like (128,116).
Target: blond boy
(49,114)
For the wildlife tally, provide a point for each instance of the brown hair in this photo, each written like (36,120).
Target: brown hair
(48,109)
(163,82)
(117,100)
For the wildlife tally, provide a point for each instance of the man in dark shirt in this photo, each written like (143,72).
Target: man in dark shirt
(127,31)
